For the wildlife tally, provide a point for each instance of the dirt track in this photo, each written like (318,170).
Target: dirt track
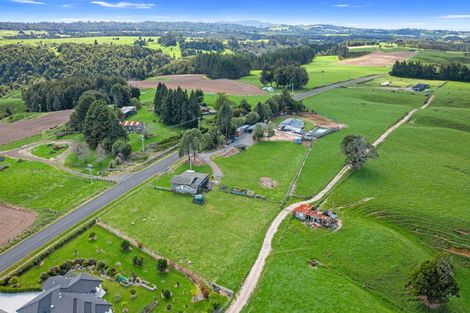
(26,128)
(194,81)
(13,222)
(379,58)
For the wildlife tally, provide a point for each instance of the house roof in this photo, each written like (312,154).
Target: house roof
(65,295)
(189,178)
(130,123)
(293,122)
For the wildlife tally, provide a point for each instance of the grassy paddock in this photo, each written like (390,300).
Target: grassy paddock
(417,205)
(441,57)
(325,70)
(366,113)
(218,240)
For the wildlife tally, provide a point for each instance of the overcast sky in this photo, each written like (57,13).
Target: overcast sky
(430,14)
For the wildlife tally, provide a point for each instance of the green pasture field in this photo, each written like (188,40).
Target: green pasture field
(365,111)
(416,204)
(47,151)
(325,70)
(174,52)
(382,47)
(442,57)
(401,82)
(220,239)
(107,248)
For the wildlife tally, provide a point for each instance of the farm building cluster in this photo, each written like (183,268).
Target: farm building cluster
(314,217)
(296,127)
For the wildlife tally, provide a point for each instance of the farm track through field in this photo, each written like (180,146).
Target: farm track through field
(254,275)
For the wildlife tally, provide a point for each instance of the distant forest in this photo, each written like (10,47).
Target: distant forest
(23,63)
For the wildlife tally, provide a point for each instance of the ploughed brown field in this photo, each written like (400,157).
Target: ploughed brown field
(13,222)
(29,127)
(196,81)
(379,58)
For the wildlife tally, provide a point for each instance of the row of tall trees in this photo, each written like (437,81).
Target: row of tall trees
(292,76)
(178,106)
(453,71)
(63,94)
(22,63)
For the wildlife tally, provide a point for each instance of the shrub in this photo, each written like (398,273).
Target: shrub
(125,245)
(166,294)
(117,298)
(138,261)
(122,149)
(162,265)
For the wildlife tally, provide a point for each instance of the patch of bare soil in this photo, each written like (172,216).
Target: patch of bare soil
(321,121)
(196,81)
(230,152)
(379,58)
(27,128)
(268,182)
(460,251)
(13,222)
(282,136)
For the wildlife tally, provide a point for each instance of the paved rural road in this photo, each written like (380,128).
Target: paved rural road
(253,277)
(27,246)
(316,91)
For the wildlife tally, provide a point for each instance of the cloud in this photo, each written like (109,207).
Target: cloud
(347,5)
(28,2)
(456,16)
(68,5)
(123,5)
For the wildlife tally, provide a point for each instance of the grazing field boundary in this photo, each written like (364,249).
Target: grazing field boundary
(254,275)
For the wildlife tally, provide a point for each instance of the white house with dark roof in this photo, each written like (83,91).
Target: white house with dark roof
(69,294)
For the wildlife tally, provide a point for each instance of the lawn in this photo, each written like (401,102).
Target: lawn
(173,52)
(416,210)
(47,151)
(106,248)
(44,189)
(366,111)
(441,57)
(220,239)
(325,70)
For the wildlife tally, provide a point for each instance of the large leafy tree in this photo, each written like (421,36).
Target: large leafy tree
(102,126)
(435,280)
(191,143)
(357,150)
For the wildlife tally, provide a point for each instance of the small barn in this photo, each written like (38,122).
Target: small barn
(307,214)
(128,111)
(189,182)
